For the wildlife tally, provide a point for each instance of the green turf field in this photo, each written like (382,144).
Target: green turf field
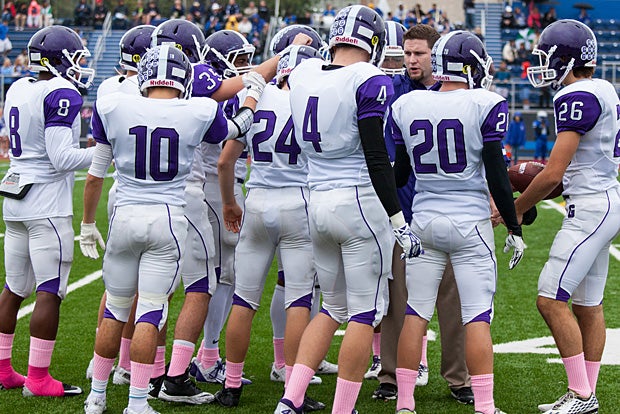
(522,380)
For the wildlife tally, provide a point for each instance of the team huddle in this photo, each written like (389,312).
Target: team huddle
(376,177)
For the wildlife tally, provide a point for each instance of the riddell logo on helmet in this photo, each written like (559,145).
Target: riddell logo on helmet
(346,39)
(161,82)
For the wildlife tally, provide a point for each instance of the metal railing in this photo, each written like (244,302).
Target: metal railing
(615,69)
(100,45)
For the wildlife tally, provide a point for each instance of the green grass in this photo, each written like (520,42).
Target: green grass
(522,380)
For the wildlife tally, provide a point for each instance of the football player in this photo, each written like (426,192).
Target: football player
(275,217)
(44,129)
(338,112)
(585,159)
(452,148)
(153,141)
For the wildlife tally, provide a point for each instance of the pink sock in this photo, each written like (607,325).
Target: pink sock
(38,380)
(346,396)
(200,350)
(138,388)
(592,368)
(40,352)
(234,370)
(376,343)
(482,386)
(298,383)
(278,352)
(159,366)
(123,355)
(405,379)
(8,377)
(101,372)
(209,357)
(182,352)
(577,375)
(289,371)
(423,360)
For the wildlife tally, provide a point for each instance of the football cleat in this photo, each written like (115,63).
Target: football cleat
(215,374)
(327,368)
(422,379)
(121,376)
(497,411)
(310,405)
(405,411)
(279,375)
(182,389)
(89,369)
(228,397)
(68,391)
(464,395)
(385,392)
(571,403)
(147,410)
(286,407)
(95,405)
(375,368)
(155,387)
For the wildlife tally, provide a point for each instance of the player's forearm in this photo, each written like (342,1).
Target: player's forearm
(61,152)
(92,194)
(538,189)
(402,166)
(226,170)
(228,89)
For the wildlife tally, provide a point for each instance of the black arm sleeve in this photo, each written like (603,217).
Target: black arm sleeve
(379,168)
(499,185)
(402,166)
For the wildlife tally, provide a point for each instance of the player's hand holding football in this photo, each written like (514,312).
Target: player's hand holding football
(411,244)
(89,237)
(516,242)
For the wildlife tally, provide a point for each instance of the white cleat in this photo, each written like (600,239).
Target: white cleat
(497,411)
(147,410)
(422,379)
(327,368)
(121,376)
(375,368)
(89,369)
(95,405)
(279,375)
(571,403)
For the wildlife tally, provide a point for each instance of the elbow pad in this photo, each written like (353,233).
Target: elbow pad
(241,123)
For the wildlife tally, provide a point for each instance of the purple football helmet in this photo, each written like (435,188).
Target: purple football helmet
(293,57)
(177,74)
(222,50)
(394,48)
(183,35)
(563,46)
(362,27)
(285,37)
(460,56)
(58,49)
(133,45)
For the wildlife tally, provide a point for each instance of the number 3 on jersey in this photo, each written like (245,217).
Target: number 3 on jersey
(310,132)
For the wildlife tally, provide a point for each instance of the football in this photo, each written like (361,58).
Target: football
(521,175)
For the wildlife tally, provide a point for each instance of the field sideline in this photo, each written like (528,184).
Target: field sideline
(523,380)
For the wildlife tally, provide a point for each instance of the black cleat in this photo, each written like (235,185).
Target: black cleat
(310,404)
(385,392)
(155,387)
(228,397)
(464,395)
(183,390)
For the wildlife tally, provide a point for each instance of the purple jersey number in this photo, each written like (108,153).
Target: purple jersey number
(617,147)
(445,125)
(14,138)
(155,143)
(282,146)
(310,130)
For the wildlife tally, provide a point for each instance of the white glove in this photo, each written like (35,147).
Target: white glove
(254,83)
(519,246)
(411,244)
(89,237)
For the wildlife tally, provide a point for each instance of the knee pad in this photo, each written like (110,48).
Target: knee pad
(117,307)
(152,308)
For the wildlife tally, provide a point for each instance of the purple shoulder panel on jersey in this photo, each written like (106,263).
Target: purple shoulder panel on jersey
(576,111)
(230,106)
(61,106)
(206,81)
(373,97)
(218,130)
(97,126)
(496,123)
(396,133)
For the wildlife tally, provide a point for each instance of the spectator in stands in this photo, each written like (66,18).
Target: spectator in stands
(99,14)
(541,128)
(177,11)
(509,51)
(549,17)
(443,25)
(8,75)
(82,14)
(139,14)
(5,43)
(21,15)
(584,17)
(151,12)
(232,23)
(47,18)
(470,14)
(519,17)
(515,137)
(8,12)
(263,12)
(305,19)
(119,16)
(232,9)
(245,26)
(400,13)
(502,79)
(418,13)
(525,87)
(251,10)
(478,32)
(534,18)
(215,22)
(508,18)
(34,14)
(523,53)
(197,13)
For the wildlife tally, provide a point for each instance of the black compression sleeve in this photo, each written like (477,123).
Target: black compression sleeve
(402,166)
(499,185)
(379,168)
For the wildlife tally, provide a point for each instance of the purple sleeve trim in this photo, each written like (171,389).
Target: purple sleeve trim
(576,111)
(206,81)
(373,97)
(396,133)
(61,107)
(218,130)
(496,123)
(97,126)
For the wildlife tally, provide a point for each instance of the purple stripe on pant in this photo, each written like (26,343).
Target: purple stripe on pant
(240,302)
(152,317)
(302,302)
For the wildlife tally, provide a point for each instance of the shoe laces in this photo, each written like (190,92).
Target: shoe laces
(376,361)
(566,398)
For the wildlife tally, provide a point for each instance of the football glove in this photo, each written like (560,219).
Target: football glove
(411,244)
(254,83)
(89,238)
(516,242)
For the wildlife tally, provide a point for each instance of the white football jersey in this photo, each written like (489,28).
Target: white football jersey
(153,143)
(326,105)
(31,106)
(444,133)
(119,83)
(277,160)
(591,108)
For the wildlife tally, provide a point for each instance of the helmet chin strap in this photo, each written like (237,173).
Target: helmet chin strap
(557,84)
